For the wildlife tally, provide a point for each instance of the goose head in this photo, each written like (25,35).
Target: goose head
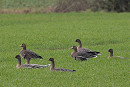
(22,45)
(78,40)
(111,53)
(51,59)
(74,47)
(17,57)
(110,50)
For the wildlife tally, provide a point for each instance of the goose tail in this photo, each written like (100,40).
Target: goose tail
(40,57)
(74,70)
(94,53)
(120,57)
(97,53)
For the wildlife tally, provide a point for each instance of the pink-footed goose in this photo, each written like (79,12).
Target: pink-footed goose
(27,54)
(79,48)
(82,55)
(28,65)
(52,68)
(111,55)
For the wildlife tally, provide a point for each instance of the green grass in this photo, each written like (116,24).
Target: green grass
(51,35)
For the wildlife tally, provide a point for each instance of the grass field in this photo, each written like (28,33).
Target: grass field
(51,35)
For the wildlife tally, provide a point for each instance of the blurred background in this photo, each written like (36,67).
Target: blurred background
(62,6)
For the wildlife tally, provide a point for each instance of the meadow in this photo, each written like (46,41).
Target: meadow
(52,35)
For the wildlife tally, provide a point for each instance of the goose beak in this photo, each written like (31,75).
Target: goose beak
(71,48)
(20,45)
(14,57)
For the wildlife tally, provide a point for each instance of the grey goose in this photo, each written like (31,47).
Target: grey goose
(79,48)
(28,65)
(82,55)
(52,68)
(111,55)
(27,54)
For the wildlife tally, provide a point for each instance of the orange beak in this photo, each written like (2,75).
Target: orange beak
(20,45)
(71,48)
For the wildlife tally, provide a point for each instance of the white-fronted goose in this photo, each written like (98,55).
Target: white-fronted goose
(28,65)
(79,48)
(27,54)
(111,55)
(52,68)
(81,55)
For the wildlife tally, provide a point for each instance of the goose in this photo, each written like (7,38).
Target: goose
(27,54)
(28,65)
(79,48)
(111,55)
(81,55)
(52,68)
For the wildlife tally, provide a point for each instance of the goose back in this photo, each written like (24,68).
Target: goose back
(30,54)
(34,66)
(64,70)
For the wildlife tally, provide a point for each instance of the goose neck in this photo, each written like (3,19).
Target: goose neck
(111,54)
(52,65)
(80,45)
(24,47)
(19,63)
(75,50)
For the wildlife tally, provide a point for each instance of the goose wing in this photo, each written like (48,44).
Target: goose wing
(64,70)
(35,66)
(88,50)
(84,55)
(31,54)
(84,50)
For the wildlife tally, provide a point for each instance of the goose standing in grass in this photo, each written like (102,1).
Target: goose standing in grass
(52,68)
(28,65)
(79,48)
(111,55)
(27,54)
(81,55)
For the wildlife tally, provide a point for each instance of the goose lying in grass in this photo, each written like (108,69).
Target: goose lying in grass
(52,68)
(27,54)
(28,65)
(111,55)
(79,48)
(81,55)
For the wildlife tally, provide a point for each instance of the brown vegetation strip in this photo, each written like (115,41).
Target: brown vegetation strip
(26,10)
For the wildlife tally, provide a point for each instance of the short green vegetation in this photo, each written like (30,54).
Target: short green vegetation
(51,35)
